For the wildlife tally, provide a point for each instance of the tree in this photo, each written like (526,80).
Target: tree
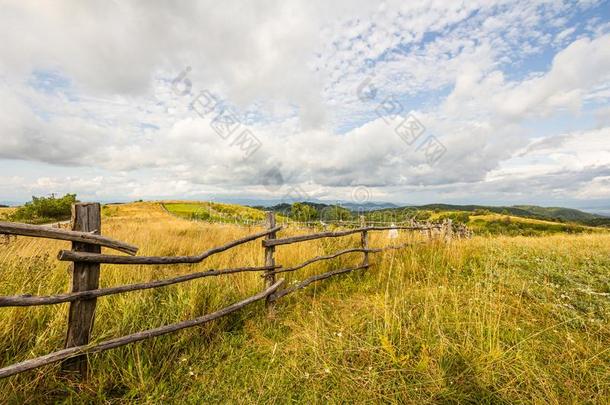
(335,213)
(303,212)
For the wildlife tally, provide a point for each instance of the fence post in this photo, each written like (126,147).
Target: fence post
(364,240)
(448,230)
(85,276)
(269,258)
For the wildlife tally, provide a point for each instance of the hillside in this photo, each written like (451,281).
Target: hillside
(509,221)
(485,320)
(215,212)
(567,214)
(526,211)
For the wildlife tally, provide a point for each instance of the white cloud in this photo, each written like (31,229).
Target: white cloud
(89,85)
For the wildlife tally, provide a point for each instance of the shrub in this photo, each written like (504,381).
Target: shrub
(45,209)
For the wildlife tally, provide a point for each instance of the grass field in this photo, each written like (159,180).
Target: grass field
(496,224)
(5,212)
(493,319)
(216,212)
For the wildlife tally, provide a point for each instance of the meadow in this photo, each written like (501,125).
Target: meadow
(494,319)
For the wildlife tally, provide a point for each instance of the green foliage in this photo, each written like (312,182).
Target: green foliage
(507,226)
(303,212)
(45,209)
(456,217)
(421,215)
(482,211)
(335,213)
(398,215)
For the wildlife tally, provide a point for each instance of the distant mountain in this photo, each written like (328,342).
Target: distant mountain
(369,206)
(471,208)
(527,211)
(568,214)
(285,207)
(319,205)
(557,214)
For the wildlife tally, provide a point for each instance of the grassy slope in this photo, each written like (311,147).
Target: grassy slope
(496,223)
(568,214)
(497,319)
(216,212)
(550,213)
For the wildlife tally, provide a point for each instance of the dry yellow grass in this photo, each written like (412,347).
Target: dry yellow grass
(6,211)
(488,319)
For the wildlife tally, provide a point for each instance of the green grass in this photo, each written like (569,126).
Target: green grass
(491,319)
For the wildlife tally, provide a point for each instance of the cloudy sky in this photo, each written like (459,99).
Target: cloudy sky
(500,102)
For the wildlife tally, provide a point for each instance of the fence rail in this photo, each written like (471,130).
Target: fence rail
(86,258)
(72,352)
(29,300)
(40,231)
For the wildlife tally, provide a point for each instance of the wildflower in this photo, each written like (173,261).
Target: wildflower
(306,375)
(191,373)
(327,370)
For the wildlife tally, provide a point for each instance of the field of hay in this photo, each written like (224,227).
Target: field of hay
(5,211)
(494,319)
(496,224)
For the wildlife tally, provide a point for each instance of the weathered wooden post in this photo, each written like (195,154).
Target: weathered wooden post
(364,240)
(448,230)
(429,230)
(270,259)
(85,276)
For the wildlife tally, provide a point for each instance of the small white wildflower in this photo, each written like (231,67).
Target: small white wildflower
(306,375)
(370,368)
(327,370)
(340,334)
(191,373)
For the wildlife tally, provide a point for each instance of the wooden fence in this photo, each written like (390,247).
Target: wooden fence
(86,258)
